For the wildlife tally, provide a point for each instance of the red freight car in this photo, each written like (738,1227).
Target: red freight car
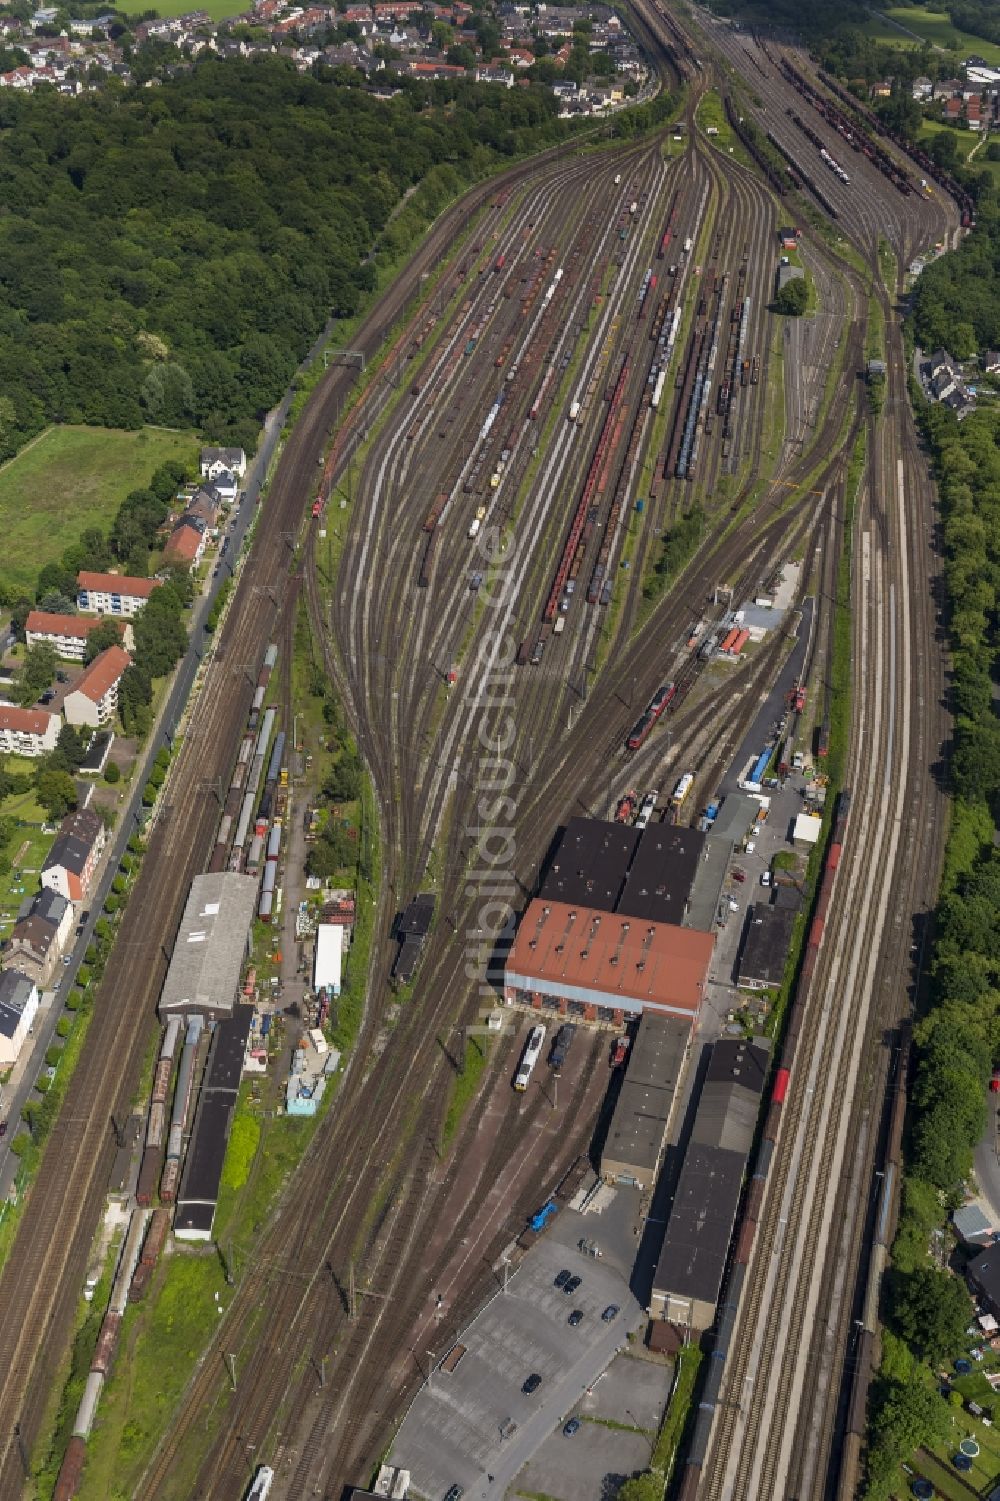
(780,1085)
(70,1470)
(149,1174)
(107,1343)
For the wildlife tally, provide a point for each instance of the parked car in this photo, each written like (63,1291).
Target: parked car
(573,1426)
(454,1493)
(563,1277)
(575,1318)
(532,1384)
(740,876)
(572,1285)
(611,1312)
(3,1128)
(765,878)
(995,1082)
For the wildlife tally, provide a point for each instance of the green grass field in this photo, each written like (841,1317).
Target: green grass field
(219,10)
(935,26)
(70,478)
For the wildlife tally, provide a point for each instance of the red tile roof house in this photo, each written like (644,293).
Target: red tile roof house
(186,544)
(112,593)
(71,862)
(68,633)
(93,699)
(27,732)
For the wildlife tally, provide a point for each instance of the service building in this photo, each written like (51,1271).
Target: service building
(688,1277)
(603,965)
(211,944)
(645,1104)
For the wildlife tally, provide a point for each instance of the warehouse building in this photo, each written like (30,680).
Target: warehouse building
(614,867)
(601,965)
(766,943)
(645,1105)
(211,944)
(688,1276)
(329,957)
(198,1195)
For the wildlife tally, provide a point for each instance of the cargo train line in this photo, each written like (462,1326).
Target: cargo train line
(390,1076)
(394,1086)
(298,1305)
(774,1429)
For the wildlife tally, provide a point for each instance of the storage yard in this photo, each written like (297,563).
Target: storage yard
(591,361)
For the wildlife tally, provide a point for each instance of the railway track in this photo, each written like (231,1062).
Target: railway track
(377,1145)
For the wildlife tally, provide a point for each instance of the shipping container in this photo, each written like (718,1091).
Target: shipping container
(71,1470)
(161,1080)
(107,1343)
(155,1124)
(168,1183)
(256,854)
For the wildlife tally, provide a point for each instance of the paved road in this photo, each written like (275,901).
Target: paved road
(44,1031)
(987,1159)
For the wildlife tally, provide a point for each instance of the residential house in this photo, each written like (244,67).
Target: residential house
(215,460)
(882,90)
(71,862)
(923,89)
(18,1007)
(495,75)
(205,505)
(946,87)
(93,699)
(68,633)
(983,1272)
(186,544)
(112,593)
(27,732)
(974,113)
(990,362)
(33,947)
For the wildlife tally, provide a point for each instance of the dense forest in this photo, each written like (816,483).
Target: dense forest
(168,254)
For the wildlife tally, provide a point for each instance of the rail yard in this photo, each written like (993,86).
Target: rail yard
(579,363)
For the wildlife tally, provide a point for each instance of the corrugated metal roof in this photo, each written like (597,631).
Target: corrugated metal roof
(210,944)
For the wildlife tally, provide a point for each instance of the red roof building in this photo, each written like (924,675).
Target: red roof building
(93,699)
(68,633)
(605,962)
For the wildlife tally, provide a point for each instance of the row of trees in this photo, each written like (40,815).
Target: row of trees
(217,222)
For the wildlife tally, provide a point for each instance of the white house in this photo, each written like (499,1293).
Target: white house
(215,460)
(27,732)
(93,699)
(18,1006)
(112,593)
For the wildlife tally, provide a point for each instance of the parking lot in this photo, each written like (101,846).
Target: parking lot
(476,1426)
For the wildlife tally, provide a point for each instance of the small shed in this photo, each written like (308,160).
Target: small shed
(807,828)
